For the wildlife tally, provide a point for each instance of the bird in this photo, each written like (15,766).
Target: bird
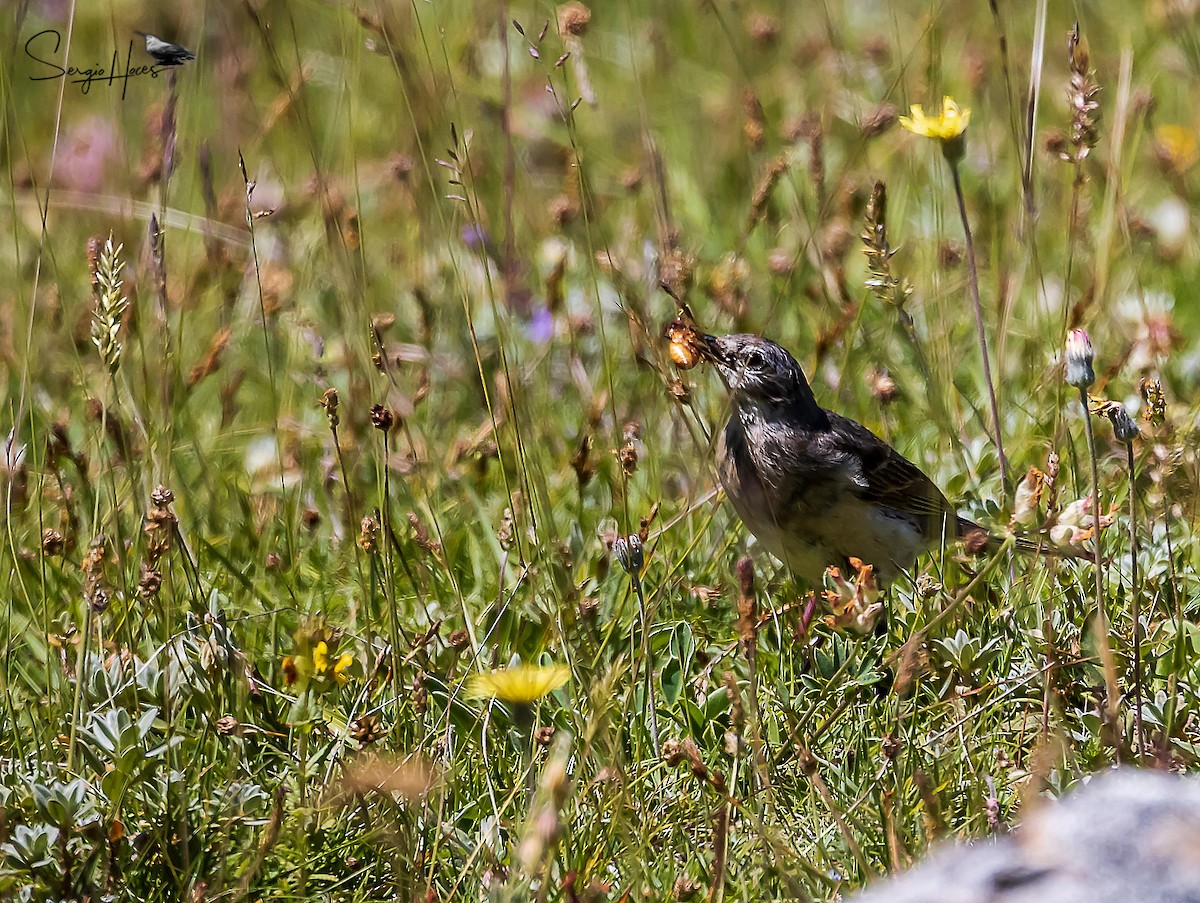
(164,52)
(815,488)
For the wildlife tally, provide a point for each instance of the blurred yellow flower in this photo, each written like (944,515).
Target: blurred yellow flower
(949,124)
(315,662)
(1176,147)
(297,668)
(320,659)
(521,685)
(345,660)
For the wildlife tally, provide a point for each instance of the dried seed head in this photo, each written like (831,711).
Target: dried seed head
(645,522)
(992,807)
(421,535)
(672,752)
(151,582)
(1081,96)
(763,29)
(211,362)
(329,401)
(574,18)
(92,566)
(765,189)
(1052,464)
(881,280)
(1155,411)
(366,729)
(680,391)
(98,600)
(737,712)
(927,587)
(52,542)
(754,126)
(382,417)
(544,735)
(460,639)
(879,120)
(891,747)
(1080,357)
(745,575)
(676,271)
(420,696)
(628,455)
(159,525)
(94,247)
(1055,143)
(368,535)
(505,533)
(781,262)
(93,561)
(580,461)
(883,388)
(950,254)
(562,209)
(162,496)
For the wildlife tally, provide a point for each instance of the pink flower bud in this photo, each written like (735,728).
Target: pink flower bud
(1079,359)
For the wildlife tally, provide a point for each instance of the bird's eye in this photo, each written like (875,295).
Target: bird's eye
(754,359)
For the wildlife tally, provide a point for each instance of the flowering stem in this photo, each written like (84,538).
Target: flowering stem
(1110,707)
(1136,608)
(983,349)
(389,580)
(650,702)
(523,716)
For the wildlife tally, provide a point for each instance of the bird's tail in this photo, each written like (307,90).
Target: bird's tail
(978,540)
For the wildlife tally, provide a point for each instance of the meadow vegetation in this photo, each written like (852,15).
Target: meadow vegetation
(334,380)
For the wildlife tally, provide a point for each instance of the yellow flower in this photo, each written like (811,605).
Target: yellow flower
(949,124)
(521,685)
(320,657)
(345,660)
(1176,147)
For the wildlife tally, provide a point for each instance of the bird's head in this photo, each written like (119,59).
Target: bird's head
(759,372)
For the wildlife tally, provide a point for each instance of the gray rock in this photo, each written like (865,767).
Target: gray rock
(1126,837)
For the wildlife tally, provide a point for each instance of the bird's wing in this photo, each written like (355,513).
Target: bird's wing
(887,477)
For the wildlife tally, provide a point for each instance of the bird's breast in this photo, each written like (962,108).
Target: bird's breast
(806,511)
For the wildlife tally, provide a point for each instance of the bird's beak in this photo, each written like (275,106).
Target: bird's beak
(711,349)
